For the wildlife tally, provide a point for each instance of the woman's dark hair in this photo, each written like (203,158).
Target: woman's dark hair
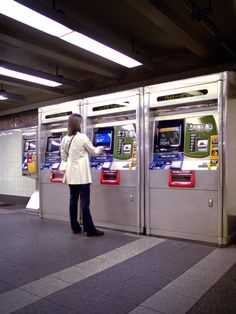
(74,123)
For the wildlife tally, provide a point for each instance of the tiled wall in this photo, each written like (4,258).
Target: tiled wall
(11,180)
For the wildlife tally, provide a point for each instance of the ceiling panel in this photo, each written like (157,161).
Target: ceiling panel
(172,38)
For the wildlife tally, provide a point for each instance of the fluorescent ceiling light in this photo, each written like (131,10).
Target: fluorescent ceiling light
(12,97)
(27,77)
(94,46)
(3,97)
(36,20)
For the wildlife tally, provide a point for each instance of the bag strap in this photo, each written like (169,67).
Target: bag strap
(70,144)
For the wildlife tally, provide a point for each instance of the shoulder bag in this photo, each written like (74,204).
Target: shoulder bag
(65,162)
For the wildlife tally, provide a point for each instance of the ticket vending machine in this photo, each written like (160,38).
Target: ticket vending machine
(29,152)
(112,121)
(54,196)
(29,165)
(52,159)
(183,194)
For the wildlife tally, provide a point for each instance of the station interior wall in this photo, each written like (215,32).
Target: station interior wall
(11,180)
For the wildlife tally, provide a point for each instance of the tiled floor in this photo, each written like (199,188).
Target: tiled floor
(44,268)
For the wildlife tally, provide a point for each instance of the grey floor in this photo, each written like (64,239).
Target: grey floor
(44,268)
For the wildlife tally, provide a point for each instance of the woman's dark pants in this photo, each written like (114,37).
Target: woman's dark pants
(81,191)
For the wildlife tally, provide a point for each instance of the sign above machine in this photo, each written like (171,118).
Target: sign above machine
(182,95)
(112,103)
(59,112)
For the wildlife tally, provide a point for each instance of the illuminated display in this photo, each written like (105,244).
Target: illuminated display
(54,144)
(30,146)
(58,115)
(193,93)
(170,137)
(104,139)
(105,107)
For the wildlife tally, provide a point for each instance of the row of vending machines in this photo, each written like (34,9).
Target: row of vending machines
(164,164)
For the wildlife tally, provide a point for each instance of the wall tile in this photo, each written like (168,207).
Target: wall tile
(11,180)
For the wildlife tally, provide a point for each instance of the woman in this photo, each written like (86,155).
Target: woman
(75,149)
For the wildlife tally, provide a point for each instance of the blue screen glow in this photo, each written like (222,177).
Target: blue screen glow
(104,139)
(54,144)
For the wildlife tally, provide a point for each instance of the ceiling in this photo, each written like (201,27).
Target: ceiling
(171,38)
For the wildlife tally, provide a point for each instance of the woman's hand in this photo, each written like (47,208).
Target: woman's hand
(101,149)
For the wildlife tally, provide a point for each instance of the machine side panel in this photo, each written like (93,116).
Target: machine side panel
(231,156)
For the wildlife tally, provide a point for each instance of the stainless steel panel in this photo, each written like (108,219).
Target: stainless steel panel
(141,162)
(230,153)
(128,178)
(222,214)
(45,176)
(186,212)
(204,180)
(55,201)
(114,206)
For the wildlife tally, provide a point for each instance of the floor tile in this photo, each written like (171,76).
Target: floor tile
(169,303)
(4,287)
(44,307)
(143,310)
(15,299)
(45,286)
(193,283)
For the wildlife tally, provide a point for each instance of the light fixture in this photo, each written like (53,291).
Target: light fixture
(26,77)
(95,47)
(36,20)
(3,97)
(10,96)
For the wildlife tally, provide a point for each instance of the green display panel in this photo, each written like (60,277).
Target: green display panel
(198,131)
(124,137)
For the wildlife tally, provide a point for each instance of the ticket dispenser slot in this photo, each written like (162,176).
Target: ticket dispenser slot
(182,178)
(57,173)
(110,177)
(57,176)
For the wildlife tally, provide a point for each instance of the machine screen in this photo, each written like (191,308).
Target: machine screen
(30,146)
(104,139)
(170,137)
(54,144)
